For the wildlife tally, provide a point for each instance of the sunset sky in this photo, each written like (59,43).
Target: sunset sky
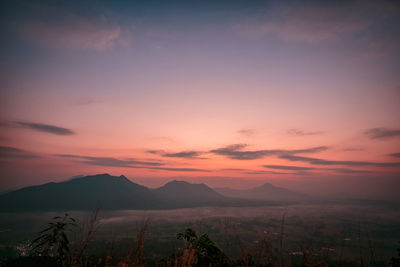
(230,93)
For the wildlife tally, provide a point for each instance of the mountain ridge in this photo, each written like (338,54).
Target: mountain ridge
(109,192)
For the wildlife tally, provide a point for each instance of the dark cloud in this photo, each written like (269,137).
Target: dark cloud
(353,149)
(299,132)
(289,168)
(316,161)
(127,163)
(396,155)
(343,170)
(184,154)
(382,133)
(179,169)
(12,152)
(43,128)
(112,162)
(236,152)
(298,168)
(234,169)
(267,172)
(155,152)
(307,150)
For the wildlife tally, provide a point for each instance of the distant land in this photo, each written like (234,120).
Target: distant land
(117,193)
(266,191)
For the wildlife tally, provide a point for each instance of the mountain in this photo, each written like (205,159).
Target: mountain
(267,192)
(108,192)
(116,193)
(97,191)
(180,193)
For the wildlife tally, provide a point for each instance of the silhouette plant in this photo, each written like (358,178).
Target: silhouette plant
(53,241)
(203,248)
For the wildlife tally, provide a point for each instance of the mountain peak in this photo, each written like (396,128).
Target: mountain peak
(267,185)
(176,182)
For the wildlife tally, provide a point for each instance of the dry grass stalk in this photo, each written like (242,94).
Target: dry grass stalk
(282,260)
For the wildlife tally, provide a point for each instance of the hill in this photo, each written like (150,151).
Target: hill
(267,192)
(181,194)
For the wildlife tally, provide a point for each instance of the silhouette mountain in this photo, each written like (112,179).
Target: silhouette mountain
(108,192)
(267,192)
(102,191)
(116,193)
(180,193)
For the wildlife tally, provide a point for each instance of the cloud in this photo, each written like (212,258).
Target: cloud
(236,152)
(382,133)
(43,128)
(343,170)
(299,132)
(184,154)
(156,152)
(353,149)
(307,150)
(234,169)
(179,169)
(316,161)
(396,155)
(12,152)
(309,23)
(111,162)
(268,172)
(127,163)
(289,168)
(298,168)
(85,101)
(70,26)
(247,132)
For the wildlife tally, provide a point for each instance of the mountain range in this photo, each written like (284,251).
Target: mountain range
(116,193)
(266,192)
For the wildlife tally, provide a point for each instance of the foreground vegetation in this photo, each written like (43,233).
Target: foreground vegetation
(66,242)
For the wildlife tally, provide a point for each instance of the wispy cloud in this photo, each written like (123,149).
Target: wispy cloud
(236,152)
(69,28)
(257,172)
(288,168)
(299,168)
(353,149)
(308,23)
(319,22)
(183,154)
(349,171)
(12,152)
(247,132)
(316,161)
(111,162)
(127,163)
(180,169)
(382,133)
(396,155)
(52,129)
(299,132)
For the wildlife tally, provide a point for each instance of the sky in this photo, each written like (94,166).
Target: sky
(303,94)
